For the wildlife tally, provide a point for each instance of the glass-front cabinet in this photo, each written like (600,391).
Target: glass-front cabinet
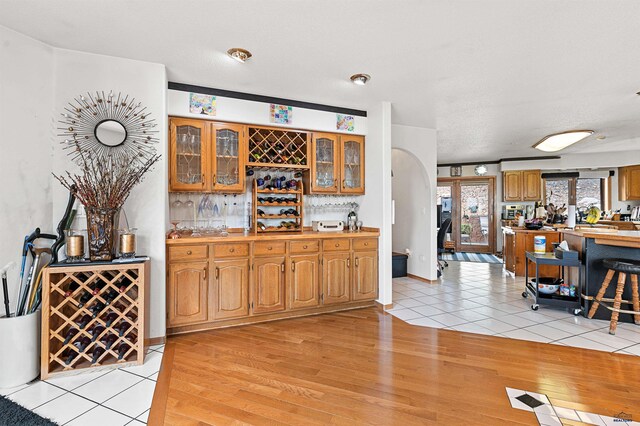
(206,156)
(228,154)
(352,164)
(188,150)
(325,169)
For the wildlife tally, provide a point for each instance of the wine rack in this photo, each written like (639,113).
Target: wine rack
(279,199)
(93,315)
(281,148)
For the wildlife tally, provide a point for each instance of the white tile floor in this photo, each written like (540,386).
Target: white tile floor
(481,298)
(109,398)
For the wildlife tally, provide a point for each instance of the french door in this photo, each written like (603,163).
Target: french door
(472,212)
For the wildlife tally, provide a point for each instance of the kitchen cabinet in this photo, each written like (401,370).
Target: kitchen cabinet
(231,285)
(187,290)
(206,156)
(517,241)
(303,286)
(522,185)
(268,285)
(337,164)
(509,251)
(365,275)
(336,277)
(629,183)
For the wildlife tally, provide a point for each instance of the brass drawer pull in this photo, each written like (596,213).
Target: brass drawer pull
(231,250)
(189,252)
(217,272)
(205,274)
(348,263)
(366,244)
(356,262)
(269,248)
(337,244)
(293,266)
(282,267)
(304,247)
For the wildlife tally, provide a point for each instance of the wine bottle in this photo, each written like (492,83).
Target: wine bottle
(96,308)
(111,296)
(97,288)
(82,343)
(124,284)
(282,178)
(122,327)
(260,212)
(109,340)
(122,349)
(97,352)
(297,175)
(72,332)
(96,331)
(267,177)
(109,318)
(73,286)
(86,296)
(250,172)
(261,226)
(83,321)
(71,355)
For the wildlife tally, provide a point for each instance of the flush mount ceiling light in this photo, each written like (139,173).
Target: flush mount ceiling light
(240,55)
(481,170)
(601,137)
(559,141)
(360,79)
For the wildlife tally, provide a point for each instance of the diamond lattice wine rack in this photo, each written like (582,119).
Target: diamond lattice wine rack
(282,148)
(93,316)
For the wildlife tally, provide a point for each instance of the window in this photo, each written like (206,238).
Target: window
(583,192)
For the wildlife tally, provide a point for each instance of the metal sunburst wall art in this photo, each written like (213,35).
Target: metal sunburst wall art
(108,126)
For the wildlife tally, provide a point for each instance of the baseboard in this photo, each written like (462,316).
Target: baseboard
(382,307)
(153,341)
(416,277)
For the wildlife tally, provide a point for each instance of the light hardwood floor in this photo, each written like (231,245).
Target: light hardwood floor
(367,367)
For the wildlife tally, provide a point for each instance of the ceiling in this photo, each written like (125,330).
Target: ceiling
(492,76)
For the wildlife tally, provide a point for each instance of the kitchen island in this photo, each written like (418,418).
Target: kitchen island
(518,241)
(593,247)
(216,281)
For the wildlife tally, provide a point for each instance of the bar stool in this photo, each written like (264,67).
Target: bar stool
(622,267)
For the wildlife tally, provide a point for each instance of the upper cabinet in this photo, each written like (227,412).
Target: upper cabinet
(629,183)
(337,164)
(189,140)
(206,156)
(522,185)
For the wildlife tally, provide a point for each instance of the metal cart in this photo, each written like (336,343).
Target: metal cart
(570,303)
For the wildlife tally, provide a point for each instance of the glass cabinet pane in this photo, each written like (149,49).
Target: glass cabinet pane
(227,157)
(352,163)
(189,155)
(325,163)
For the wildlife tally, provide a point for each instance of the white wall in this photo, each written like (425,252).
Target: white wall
(77,73)
(417,233)
(26,103)
(375,210)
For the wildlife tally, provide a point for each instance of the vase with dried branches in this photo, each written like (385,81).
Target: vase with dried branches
(108,171)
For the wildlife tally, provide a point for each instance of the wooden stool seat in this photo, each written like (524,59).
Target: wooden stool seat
(622,267)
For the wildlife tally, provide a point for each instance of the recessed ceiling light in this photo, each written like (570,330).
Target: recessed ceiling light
(240,55)
(601,137)
(360,79)
(559,141)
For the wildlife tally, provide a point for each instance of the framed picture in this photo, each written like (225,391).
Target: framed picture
(456,171)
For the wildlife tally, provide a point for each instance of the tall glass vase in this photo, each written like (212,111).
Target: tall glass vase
(101,230)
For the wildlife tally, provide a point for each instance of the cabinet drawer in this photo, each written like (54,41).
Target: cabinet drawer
(365,243)
(231,250)
(311,246)
(269,248)
(182,253)
(336,244)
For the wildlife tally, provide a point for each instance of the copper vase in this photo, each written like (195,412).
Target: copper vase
(101,230)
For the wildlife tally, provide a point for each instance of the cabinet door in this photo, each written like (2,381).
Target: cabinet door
(365,275)
(228,145)
(231,288)
(508,251)
(336,277)
(303,288)
(187,293)
(352,164)
(188,155)
(531,185)
(268,285)
(325,160)
(629,183)
(512,186)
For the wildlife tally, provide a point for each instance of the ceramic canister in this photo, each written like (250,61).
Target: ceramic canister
(539,244)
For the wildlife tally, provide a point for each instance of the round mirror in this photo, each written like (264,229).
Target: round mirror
(110,133)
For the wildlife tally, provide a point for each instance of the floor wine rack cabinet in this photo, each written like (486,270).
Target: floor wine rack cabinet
(93,315)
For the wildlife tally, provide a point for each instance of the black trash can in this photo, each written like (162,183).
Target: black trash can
(399,265)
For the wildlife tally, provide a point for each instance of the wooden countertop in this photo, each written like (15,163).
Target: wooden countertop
(522,229)
(630,236)
(307,234)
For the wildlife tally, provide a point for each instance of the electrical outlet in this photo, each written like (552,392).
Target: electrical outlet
(407,251)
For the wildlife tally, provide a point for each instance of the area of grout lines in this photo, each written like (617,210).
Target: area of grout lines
(481,298)
(55,397)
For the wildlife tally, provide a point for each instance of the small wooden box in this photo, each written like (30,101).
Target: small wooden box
(71,293)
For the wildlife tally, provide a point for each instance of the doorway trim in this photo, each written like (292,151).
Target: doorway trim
(455,213)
